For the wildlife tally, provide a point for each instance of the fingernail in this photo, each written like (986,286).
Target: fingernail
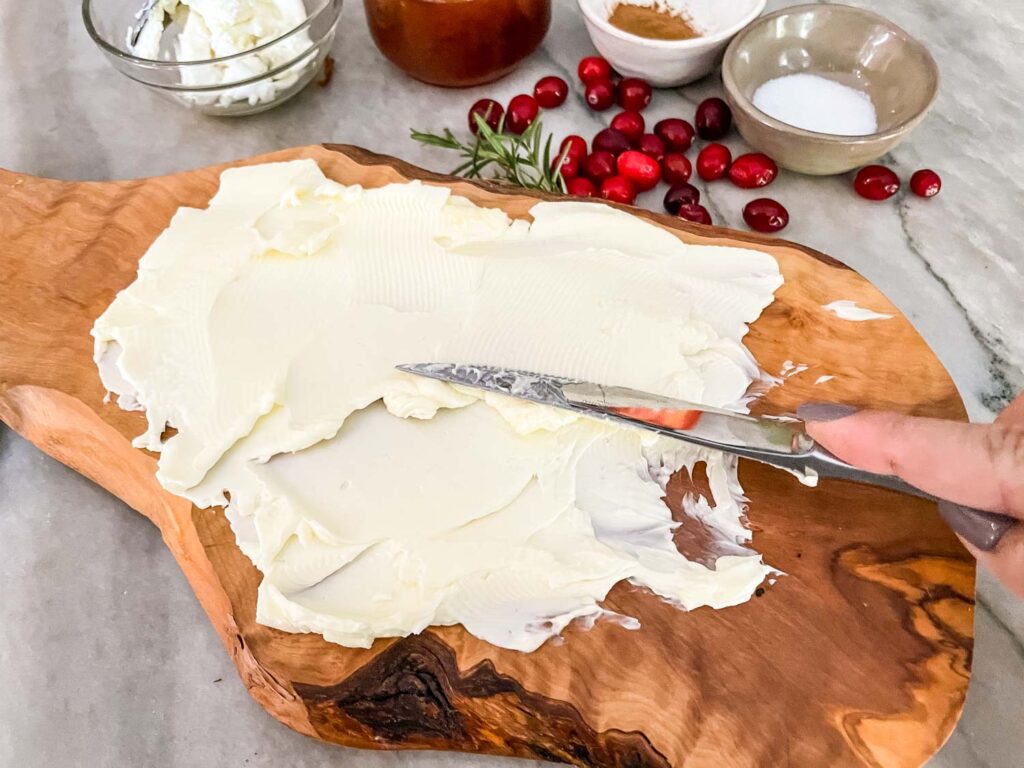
(982,529)
(824,411)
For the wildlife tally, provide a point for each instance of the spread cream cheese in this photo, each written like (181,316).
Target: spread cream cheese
(266,329)
(212,29)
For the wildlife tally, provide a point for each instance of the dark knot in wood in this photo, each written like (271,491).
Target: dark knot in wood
(402,698)
(414,696)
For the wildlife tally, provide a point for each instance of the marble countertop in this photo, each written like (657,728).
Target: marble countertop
(106,657)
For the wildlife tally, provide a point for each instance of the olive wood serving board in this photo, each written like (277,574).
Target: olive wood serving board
(859,656)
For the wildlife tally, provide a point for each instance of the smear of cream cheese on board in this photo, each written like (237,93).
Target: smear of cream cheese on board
(266,329)
(850,310)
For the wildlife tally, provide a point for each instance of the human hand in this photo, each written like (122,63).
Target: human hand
(970,465)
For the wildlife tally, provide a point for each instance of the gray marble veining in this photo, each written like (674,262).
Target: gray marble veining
(106,658)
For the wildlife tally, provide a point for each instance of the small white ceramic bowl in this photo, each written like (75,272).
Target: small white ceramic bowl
(667,63)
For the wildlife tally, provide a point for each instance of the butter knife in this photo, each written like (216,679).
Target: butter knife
(778,441)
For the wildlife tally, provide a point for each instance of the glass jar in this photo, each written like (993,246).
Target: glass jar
(458,42)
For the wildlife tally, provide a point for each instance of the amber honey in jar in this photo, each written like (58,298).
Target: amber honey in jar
(458,42)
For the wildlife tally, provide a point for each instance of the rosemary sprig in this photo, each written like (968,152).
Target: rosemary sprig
(523,159)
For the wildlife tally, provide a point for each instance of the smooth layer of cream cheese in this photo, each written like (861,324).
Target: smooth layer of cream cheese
(213,29)
(266,329)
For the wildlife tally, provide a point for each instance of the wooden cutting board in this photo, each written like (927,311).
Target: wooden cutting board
(859,656)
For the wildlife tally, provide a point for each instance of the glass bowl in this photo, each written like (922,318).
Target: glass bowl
(243,83)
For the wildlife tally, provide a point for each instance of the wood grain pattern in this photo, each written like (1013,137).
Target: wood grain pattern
(859,656)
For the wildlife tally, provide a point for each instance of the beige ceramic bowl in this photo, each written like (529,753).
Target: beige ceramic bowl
(855,47)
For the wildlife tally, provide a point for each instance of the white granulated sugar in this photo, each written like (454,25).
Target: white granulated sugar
(816,103)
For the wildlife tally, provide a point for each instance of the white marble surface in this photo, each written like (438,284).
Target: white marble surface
(106,658)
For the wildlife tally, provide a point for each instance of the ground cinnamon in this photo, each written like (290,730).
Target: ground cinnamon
(655,23)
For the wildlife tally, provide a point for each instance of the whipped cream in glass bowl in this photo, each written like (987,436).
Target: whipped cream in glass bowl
(219,57)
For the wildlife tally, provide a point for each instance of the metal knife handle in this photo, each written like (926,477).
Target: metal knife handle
(986,528)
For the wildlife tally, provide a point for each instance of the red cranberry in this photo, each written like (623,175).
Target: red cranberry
(610,140)
(642,170)
(925,183)
(765,215)
(713,161)
(753,170)
(577,147)
(593,68)
(675,132)
(580,187)
(676,168)
(618,189)
(570,168)
(634,93)
(630,123)
(652,146)
(694,212)
(521,113)
(714,118)
(599,94)
(598,166)
(876,182)
(679,195)
(550,91)
(489,110)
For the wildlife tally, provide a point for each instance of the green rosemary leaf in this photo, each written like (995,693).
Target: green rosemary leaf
(466,169)
(557,180)
(448,140)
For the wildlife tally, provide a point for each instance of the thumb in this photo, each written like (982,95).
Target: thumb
(976,465)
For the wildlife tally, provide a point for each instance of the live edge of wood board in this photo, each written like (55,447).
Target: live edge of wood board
(859,655)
